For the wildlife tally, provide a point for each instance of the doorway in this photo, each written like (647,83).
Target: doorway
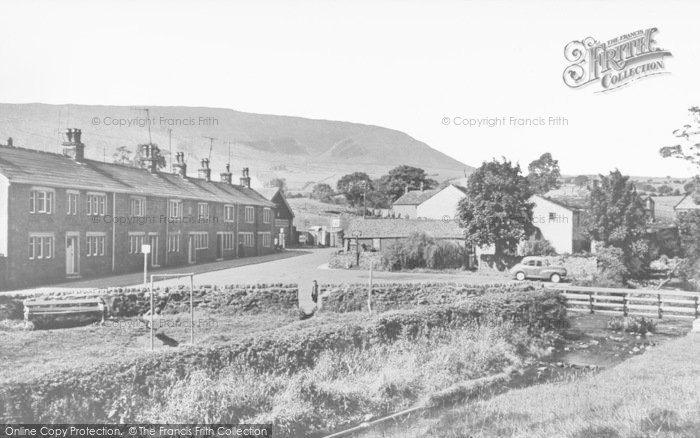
(72,254)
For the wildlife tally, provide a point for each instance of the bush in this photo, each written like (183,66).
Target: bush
(422,251)
(634,324)
(121,390)
(538,247)
(611,266)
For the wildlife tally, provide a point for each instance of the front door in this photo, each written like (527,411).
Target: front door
(220,246)
(153,241)
(72,254)
(190,250)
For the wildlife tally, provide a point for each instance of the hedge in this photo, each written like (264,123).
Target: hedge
(118,391)
(387,296)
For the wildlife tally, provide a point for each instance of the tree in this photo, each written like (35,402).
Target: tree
(689,147)
(123,156)
(322,192)
(544,174)
(280,183)
(398,178)
(617,218)
(581,180)
(665,189)
(353,187)
(689,231)
(496,210)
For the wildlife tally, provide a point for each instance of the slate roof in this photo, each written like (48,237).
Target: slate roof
(572,203)
(29,166)
(398,228)
(687,203)
(270,192)
(663,207)
(415,197)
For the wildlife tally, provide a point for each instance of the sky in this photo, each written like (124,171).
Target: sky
(405,65)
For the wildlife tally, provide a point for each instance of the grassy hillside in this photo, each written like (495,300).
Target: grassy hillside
(304,151)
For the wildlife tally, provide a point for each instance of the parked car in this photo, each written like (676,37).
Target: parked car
(537,268)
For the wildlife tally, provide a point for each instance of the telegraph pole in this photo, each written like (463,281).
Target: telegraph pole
(148,122)
(170,147)
(211,144)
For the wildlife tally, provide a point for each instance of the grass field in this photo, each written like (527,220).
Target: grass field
(656,394)
(30,353)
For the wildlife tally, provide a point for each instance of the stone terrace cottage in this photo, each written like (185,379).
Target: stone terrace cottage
(63,216)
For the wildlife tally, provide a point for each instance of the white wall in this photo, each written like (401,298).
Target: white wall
(406,211)
(555,222)
(444,203)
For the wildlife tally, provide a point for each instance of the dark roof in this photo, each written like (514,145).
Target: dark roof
(663,207)
(270,193)
(397,228)
(569,202)
(28,166)
(415,197)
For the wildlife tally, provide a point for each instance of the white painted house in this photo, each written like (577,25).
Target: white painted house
(561,223)
(430,204)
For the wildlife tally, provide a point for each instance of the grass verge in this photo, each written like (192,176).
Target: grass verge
(651,395)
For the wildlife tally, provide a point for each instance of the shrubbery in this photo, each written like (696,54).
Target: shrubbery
(634,324)
(121,390)
(538,247)
(422,251)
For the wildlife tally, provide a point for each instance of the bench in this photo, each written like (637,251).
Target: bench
(63,307)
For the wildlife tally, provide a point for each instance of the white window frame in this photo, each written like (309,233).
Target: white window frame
(266,238)
(248,239)
(201,239)
(203,213)
(48,196)
(175,208)
(72,202)
(95,244)
(266,215)
(137,206)
(228,240)
(97,200)
(229,213)
(44,240)
(174,242)
(249,214)
(136,241)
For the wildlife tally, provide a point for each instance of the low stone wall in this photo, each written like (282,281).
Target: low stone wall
(347,260)
(388,296)
(125,302)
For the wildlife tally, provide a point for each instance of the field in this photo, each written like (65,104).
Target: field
(26,354)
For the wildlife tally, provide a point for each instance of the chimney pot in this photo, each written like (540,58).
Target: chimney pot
(74,148)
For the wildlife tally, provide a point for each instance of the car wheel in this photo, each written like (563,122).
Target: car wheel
(520,276)
(555,278)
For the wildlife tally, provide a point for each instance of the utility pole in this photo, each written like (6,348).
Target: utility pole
(211,144)
(148,122)
(170,147)
(364,196)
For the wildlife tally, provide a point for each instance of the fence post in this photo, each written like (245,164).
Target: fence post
(624,305)
(697,308)
(369,294)
(658,297)
(590,301)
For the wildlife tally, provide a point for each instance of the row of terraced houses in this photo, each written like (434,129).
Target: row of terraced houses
(63,216)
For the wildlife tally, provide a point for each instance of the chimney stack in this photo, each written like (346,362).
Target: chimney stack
(74,148)
(245,178)
(149,157)
(9,141)
(227,176)
(205,171)
(180,166)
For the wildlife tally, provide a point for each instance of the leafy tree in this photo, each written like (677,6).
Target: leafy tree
(278,182)
(689,231)
(395,182)
(538,247)
(123,156)
(544,174)
(582,180)
(617,218)
(353,186)
(665,189)
(496,210)
(322,192)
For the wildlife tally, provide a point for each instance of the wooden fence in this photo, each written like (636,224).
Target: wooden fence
(643,302)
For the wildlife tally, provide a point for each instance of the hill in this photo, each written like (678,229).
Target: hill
(303,151)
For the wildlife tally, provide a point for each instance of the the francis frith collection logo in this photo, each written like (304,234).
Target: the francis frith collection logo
(614,63)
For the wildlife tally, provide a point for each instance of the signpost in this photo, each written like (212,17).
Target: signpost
(145,249)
